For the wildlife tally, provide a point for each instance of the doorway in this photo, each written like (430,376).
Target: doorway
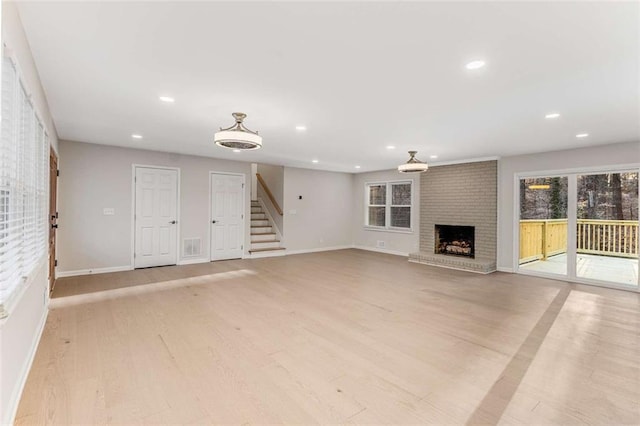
(607,227)
(227,215)
(53,216)
(155,216)
(581,226)
(544,224)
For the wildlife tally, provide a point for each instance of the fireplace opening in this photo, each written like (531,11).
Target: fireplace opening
(455,240)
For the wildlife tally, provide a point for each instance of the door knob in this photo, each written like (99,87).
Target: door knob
(173,222)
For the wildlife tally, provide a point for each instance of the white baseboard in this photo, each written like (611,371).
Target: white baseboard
(504,269)
(12,408)
(193,261)
(381,250)
(63,274)
(315,250)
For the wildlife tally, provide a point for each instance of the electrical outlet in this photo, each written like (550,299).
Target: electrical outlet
(380,244)
(108,211)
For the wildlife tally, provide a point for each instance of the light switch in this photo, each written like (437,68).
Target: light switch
(108,211)
(293,211)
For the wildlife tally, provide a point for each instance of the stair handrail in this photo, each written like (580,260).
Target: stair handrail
(269,194)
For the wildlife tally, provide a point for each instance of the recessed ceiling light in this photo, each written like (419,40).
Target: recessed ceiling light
(237,150)
(136,136)
(391,147)
(474,65)
(301,128)
(433,157)
(314,161)
(582,135)
(167,99)
(357,167)
(552,115)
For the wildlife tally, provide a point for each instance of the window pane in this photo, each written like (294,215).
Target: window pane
(377,216)
(543,224)
(607,236)
(401,217)
(543,198)
(378,194)
(401,194)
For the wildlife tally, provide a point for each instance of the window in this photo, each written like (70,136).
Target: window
(24,157)
(377,205)
(389,205)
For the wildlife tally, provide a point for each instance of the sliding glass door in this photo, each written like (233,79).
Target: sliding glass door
(543,225)
(580,226)
(607,227)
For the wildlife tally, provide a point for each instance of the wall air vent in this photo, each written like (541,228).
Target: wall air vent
(191,247)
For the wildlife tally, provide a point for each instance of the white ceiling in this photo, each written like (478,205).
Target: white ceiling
(360,76)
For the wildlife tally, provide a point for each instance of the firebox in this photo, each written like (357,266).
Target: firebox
(455,240)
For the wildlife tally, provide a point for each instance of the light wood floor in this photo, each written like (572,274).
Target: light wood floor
(336,337)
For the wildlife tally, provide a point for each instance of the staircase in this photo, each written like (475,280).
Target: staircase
(264,240)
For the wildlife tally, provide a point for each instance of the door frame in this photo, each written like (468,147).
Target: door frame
(572,175)
(244,213)
(133,209)
(53,209)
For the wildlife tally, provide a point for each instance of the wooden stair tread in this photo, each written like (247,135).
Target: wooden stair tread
(263,233)
(266,249)
(261,226)
(267,241)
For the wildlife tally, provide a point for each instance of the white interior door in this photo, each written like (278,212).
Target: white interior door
(227,216)
(156,221)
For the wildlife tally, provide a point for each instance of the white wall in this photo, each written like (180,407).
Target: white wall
(322,218)
(394,242)
(274,178)
(20,331)
(614,155)
(93,177)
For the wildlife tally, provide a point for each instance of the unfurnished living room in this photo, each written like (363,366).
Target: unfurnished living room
(319,212)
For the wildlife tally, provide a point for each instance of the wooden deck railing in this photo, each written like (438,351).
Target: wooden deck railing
(540,239)
(269,194)
(608,237)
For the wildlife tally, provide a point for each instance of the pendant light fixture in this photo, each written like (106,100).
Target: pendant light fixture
(413,165)
(238,136)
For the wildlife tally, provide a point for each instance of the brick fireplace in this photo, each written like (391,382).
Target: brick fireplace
(463,196)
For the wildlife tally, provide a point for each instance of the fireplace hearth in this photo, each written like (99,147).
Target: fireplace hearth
(455,240)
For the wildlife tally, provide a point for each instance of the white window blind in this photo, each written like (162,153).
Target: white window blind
(389,205)
(24,157)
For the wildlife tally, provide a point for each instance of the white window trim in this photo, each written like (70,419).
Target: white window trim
(388,205)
